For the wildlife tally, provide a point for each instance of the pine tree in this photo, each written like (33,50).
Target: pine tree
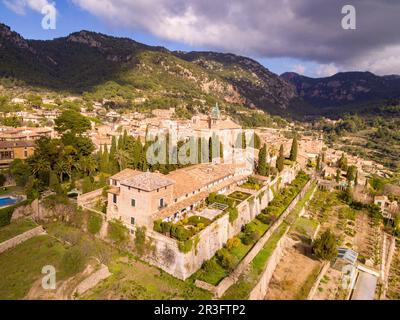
(280,162)
(262,161)
(294,149)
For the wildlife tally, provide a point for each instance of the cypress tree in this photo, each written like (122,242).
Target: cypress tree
(280,161)
(338,172)
(318,167)
(294,149)
(262,161)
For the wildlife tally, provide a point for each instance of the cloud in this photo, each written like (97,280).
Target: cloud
(20,6)
(299,68)
(307,30)
(326,70)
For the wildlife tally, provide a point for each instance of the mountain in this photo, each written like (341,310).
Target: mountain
(345,91)
(101,66)
(106,67)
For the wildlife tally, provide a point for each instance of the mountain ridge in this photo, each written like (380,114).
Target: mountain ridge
(104,66)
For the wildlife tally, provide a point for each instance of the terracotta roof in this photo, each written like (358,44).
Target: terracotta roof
(176,207)
(125,174)
(16,144)
(196,177)
(147,181)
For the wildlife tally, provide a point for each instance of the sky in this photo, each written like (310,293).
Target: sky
(303,36)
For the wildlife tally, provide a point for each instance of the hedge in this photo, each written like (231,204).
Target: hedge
(6,213)
(185,246)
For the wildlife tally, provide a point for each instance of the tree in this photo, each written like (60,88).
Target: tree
(318,166)
(294,149)
(3,179)
(53,181)
(338,175)
(73,122)
(281,160)
(351,173)
(262,161)
(20,171)
(342,163)
(325,247)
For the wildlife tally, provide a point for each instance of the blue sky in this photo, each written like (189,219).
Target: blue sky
(71,18)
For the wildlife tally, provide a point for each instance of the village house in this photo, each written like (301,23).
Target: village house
(140,198)
(24,133)
(11,150)
(388,208)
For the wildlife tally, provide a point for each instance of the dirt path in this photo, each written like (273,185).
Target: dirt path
(292,273)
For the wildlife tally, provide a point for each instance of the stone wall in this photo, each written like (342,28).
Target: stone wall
(86,199)
(260,290)
(11,243)
(167,256)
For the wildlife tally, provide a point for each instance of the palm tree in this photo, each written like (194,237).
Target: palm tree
(39,165)
(122,157)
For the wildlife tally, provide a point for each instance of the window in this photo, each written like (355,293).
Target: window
(132,220)
(133,203)
(114,198)
(162,204)
(25,154)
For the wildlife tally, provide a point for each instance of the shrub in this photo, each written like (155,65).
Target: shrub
(266,218)
(233,243)
(180,233)
(251,234)
(196,220)
(210,266)
(6,213)
(185,246)
(226,259)
(140,240)
(166,227)
(233,214)
(157,226)
(3,179)
(117,232)
(73,261)
(95,221)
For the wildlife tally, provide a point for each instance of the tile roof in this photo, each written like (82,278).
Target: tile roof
(16,144)
(147,181)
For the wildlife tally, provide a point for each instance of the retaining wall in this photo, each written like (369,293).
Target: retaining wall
(13,242)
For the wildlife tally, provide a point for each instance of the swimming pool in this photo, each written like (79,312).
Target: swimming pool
(6,201)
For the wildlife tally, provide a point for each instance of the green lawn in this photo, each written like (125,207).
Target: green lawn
(16,228)
(136,280)
(305,226)
(239,195)
(21,266)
